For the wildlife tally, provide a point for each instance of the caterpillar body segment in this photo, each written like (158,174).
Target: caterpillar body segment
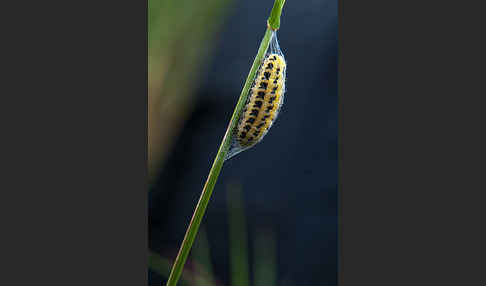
(265,100)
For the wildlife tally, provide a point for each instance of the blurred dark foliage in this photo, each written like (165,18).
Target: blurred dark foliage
(289,179)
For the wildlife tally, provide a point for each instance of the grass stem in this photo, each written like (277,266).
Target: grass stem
(239,267)
(273,24)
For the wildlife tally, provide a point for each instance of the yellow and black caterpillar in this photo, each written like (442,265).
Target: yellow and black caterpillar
(266,97)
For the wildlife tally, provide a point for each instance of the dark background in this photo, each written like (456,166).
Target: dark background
(289,180)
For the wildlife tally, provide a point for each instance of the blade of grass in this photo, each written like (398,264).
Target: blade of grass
(180,36)
(238,241)
(265,256)
(274,19)
(273,23)
(159,264)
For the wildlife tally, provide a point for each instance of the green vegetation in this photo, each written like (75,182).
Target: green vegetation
(273,24)
(264,252)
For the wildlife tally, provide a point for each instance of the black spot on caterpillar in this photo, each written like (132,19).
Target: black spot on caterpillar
(251,120)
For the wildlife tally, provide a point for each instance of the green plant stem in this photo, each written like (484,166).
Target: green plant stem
(274,19)
(223,150)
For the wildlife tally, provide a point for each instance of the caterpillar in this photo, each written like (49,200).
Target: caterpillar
(265,100)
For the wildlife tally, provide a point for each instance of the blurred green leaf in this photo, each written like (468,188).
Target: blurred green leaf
(265,257)
(180,37)
(237,237)
(162,265)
